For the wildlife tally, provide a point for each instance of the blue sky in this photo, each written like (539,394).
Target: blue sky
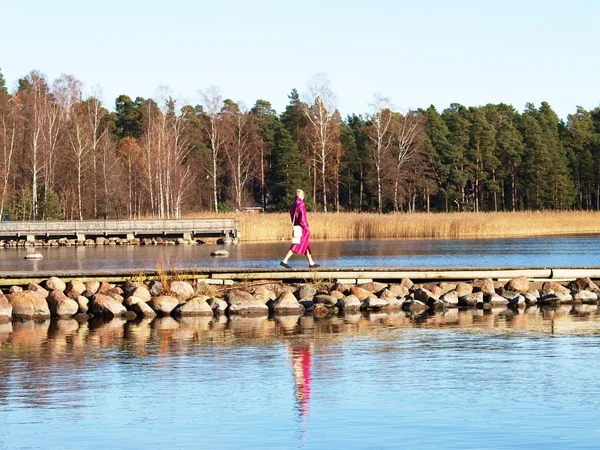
(418,53)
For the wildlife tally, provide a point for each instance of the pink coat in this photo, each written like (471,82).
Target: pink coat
(298,216)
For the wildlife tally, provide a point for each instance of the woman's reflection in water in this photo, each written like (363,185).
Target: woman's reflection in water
(301,358)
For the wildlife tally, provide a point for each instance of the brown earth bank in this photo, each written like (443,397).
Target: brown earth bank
(177,298)
(349,226)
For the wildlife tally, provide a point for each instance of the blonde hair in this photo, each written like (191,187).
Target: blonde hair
(299,192)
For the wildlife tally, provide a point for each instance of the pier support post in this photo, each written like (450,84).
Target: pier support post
(130,236)
(30,238)
(187,236)
(80,237)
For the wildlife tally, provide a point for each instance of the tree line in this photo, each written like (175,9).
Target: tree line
(64,156)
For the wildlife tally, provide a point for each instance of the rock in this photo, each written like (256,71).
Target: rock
(534,292)
(141,293)
(38,290)
(471,299)
(585,296)
(496,300)
(556,287)
(106,306)
(263,294)
(450,298)
(360,293)
(583,284)
(548,299)
(155,288)
(104,287)
(116,293)
(517,302)
(337,294)
(407,283)
(61,306)
(5,308)
(74,289)
(349,303)
(414,306)
(393,303)
(142,309)
(374,287)
(463,289)
(307,292)
(15,289)
(55,284)
(327,300)
(518,284)
(434,289)
(530,299)
(163,305)
(286,303)
(82,304)
(509,295)
(219,306)
(437,305)
(128,287)
(181,290)
(91,287)
(133,300)
(387,295)
(243,303)
(196,306)
(373,303)
(398,290)
(28,305)
(485,286)
(344,288)
(424,295)
(219,253)
(447,287)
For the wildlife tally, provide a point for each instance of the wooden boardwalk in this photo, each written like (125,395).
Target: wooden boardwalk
(83,229)
(358,275)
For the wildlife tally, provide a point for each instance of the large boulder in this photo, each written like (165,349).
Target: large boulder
(132,300)
(373,303)
(91,287)
(307,292)
(471,300)
(407,283)
(583,284)
(5,308)
(585,296)
(360,293)
(32,287)
(196,306)
(141,292)
(374,286)
(349,303)
(83,304)
(342,287)
(55,284)
(264,294)
(243,303)
(447,287)
(182,290)
(414,306)
(143,310)
(163,305)
(218,305)
(74,289)
(28,305)
(463,289)
(327,300)
(486,286)
(104,287)
(156,288)
(557,288)
(424,295)
(450,298)
(398,290)
(496,300)
(61,306)
(129,286)
(434,289)
(286,303)
(106,306)
(517,284)
(517,302)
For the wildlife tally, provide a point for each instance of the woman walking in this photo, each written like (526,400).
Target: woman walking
(298,216)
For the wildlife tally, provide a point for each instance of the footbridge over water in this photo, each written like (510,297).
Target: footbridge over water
(129,229)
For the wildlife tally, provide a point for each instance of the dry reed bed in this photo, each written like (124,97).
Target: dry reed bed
(348,226)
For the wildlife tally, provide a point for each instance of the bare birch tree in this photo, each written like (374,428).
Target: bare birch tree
(212,101)
(319,112)
(380,136)
(80,139)
(9,114)
(407,130)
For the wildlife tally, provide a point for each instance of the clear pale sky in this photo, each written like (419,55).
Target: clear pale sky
(416,52)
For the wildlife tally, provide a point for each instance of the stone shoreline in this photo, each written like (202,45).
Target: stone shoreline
(135,299)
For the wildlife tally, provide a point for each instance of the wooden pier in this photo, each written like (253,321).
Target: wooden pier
(129,229)
(346,275)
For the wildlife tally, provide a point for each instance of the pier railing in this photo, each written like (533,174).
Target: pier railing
(128,228)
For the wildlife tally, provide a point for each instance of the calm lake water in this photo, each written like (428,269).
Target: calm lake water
(506,252)
(463,379)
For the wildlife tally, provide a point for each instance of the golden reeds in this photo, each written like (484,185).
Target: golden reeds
(349,226)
